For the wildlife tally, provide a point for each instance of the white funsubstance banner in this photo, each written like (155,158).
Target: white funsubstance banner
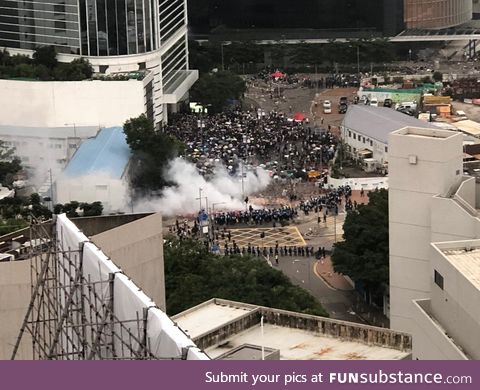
(130,304)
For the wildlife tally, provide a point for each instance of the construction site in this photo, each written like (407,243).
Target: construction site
(83,306)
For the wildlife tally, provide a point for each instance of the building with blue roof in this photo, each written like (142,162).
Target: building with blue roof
(98,172)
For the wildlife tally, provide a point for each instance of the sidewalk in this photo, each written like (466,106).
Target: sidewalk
(324,269)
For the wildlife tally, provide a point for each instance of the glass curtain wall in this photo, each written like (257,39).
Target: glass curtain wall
(436,14)
(87,27)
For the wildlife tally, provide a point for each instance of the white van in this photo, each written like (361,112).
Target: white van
(374,102)
(406,106)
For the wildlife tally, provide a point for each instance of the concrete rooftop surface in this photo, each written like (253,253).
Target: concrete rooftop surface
(298,344)
(221,327)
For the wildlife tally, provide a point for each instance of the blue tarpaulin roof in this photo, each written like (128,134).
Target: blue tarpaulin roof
(107,153)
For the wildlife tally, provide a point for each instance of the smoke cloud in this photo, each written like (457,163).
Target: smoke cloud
(223,190)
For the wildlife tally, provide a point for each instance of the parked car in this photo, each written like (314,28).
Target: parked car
(374,102)
(407,111)
(327,107)
(342,109)
(388,103)
(343,100)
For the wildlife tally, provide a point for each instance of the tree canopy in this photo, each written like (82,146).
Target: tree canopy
(194,275)
(9,164)
(364,255)
(44,66)
(152,151)
(71,209)
(215,89)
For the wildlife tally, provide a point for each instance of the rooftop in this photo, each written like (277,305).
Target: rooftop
(379,122)
(107,153)
(207,317)
(465,257)
(223,328)
(298,344)
(68,131)
(468,126)
(427,132)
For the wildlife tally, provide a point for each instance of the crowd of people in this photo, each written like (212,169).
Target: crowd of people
(271,140)
(329,201)
(255,216)
(273,252)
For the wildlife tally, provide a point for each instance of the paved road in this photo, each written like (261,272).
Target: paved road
(338,304)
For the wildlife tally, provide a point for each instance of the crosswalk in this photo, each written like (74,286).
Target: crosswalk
(267,237)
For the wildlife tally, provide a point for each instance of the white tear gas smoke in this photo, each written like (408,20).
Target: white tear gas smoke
(99,186)
(222,190)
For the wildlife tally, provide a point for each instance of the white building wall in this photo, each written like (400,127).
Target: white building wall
(420,167)
(112,192)
(355,140)
(85,103)
(429,341)
(457,305)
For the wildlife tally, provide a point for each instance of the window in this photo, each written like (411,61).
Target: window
(371,143)
(363,139)
(354,136)
(386,149)
(102,188)
(438,278)
(349,133)
(58,146)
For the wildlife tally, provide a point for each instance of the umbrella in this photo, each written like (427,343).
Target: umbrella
(299,117)
(278,75)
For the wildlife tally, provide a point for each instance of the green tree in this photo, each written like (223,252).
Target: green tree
(11,225)
(437,76)
(9,164)
(77,70)
(24,70)
(152,151)
(91,209)
(36,208)
(364,254)
(45,55)
(42,73)
(215,89)
(194,275)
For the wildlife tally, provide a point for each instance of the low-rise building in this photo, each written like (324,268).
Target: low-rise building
(365,131)
(97,172)
(238,331)
(434,225)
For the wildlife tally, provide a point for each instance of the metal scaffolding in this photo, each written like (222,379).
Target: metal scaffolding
(69,316)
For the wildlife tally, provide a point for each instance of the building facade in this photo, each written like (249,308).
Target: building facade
(365,131)
(437,14)
(114,35)
(346,16)
(434,228)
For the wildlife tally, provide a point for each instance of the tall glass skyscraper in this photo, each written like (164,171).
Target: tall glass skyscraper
(90,27)
(119,35)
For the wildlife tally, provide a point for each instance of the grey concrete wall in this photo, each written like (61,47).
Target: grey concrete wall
(96,225)
(369,335)
(15,295)
(216,336)
(430,339)
(137,248)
